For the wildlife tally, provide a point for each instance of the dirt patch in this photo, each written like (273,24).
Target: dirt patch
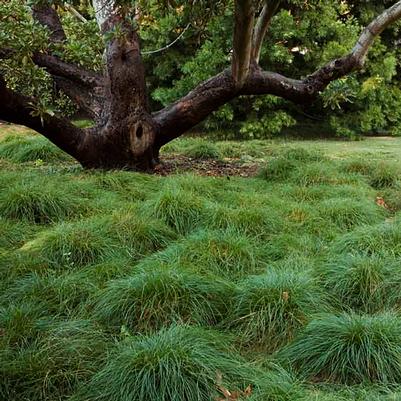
(173,164)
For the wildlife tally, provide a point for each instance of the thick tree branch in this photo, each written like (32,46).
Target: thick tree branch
(189,111)
(85,88)
(262,25)
(242,42)
(55,66)
(48,17)
(18,109)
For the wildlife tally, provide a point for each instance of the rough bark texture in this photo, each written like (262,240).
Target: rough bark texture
(126,134)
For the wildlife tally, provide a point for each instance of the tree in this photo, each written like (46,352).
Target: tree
(126,134)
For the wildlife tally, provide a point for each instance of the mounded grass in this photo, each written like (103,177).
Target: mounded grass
(252,220)
(367,283)
(141,235)
(180,209)
(349,349)
(71,245)
(269,309)
(38,201)
(180,363)
(347,213)
(160,295)
(57,294)
(30,149)
(224,252)
(384,175)
(203,150)
(66,354)
(382,238)
(278,169)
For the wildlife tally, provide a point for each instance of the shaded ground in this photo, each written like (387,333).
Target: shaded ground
(175,163)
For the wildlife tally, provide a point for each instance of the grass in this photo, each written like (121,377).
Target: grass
(180,363)
(39,202)
(22,149)
(126,286)
(366,283)
(349,348)
(158,296)
(270,308)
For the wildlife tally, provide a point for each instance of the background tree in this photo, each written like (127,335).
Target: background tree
(110,85)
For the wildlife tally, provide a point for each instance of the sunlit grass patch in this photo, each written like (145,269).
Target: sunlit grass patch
(269,309)
(180,363)
(159,295)
(349,348)
(21,149)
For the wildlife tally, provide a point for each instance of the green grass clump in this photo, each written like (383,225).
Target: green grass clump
(383,238)
(203,150)
(357,166)
(348,212)
(12,233)
(39,202)
(71,245)
(367,283)
(278,169)
(318,173)
(180,363)
(160,295)
(65,354)
(349,349)
(140,235)
(226,252)
(384,175)
(270,308)
(302,155)
(57,294)
(249,220)
(31,149)
(179,209)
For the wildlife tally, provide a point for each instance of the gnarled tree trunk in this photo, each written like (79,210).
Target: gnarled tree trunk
(126,134)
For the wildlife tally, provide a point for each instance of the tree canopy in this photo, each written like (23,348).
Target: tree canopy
(196,60)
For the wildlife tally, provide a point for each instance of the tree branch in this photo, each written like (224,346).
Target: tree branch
(176,119)
(262,25)
(17,109)
(242,42)
(48,17)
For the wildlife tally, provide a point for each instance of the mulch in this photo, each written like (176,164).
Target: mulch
(173,164)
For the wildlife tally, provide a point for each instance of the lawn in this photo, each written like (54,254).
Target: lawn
(280,285)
